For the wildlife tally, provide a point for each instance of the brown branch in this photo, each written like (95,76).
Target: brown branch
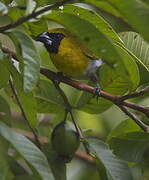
(85,87)
(135,94)
(34,14)
(114,98)
(136,107)
(143,126)
(117,100)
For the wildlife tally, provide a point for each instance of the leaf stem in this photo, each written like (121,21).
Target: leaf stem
(23,113)
(69,110)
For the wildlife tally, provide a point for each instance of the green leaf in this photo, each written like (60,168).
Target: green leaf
(57,165)
(31,5)
(31,60)
(44,2)
(24,177)
(130,146)
(124,78)
(146,1)
(6,1)
(48,98)
(4,73)
(37,27)
(131,68)
(110,14)
(15,13)
(5,172)
(91,105)
(125,126)
(115,168)
(136,13)
(3,9)
(28,151)
(136,45)
(16,168)
(47,91)
(22,3)
(105,6)
(90,16)
(5,113)
(26,99)
(45,106)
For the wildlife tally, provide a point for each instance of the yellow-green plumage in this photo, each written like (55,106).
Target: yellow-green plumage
(69,54)
(70,58)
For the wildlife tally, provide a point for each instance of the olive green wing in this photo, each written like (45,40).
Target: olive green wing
(90,54)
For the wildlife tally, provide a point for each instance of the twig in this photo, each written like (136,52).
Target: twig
(136,107)
(143,126)
(34,14)
(66,102)
(135,94)
(76,126)
(67,105)
(85,87)
(69,109)
(23,114)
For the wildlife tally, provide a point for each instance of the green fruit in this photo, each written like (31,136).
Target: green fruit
(65,140)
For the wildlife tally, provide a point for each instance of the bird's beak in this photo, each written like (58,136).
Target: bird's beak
(40,37)
(44,38)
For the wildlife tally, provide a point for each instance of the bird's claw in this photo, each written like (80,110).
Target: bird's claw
(96,92)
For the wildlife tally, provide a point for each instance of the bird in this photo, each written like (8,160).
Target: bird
(70,55)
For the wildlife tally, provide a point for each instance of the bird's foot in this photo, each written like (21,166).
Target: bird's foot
(96,92)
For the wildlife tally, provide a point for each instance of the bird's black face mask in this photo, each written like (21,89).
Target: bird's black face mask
(50,40)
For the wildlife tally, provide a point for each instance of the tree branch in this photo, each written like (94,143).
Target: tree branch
(136,107)
(135,94)
(85,87)
(143,126)
(34,14)
(116,99)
